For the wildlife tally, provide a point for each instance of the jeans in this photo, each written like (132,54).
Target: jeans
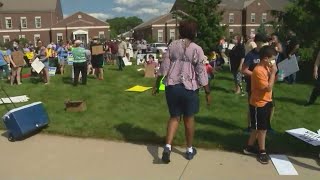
(120,63)
(77,68)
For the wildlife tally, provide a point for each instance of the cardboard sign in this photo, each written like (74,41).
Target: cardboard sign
(289,66)
(17,58)
(306,136)
(97,50)
(149,71)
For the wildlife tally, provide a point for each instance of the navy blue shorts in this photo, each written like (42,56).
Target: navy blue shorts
(182,101)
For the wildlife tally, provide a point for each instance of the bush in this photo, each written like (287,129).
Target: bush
(306,54)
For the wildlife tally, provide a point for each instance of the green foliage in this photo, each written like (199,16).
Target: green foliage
(262,29)
(208,18)
(302,17)
(306,54)
(120,25)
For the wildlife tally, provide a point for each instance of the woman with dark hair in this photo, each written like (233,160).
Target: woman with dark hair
(184,69)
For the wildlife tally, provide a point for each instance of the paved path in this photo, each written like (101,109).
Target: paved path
(63,158)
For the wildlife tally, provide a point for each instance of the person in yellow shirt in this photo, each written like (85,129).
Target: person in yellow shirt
(262,81)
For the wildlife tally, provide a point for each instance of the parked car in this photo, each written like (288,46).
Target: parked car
(157,47)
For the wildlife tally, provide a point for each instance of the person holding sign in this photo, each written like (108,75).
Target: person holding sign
(43,57)
(97,58)
(184,70)
(262,81)
(316,90)
(17,62)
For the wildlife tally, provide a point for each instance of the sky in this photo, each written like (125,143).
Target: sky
(106,9)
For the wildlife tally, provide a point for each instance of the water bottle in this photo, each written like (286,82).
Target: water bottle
(280,75)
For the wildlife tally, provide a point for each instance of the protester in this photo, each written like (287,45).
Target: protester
(15,68)
(262,81)
(62,53)
(97,61)
(316,90)
(250,61)
(250,44)
(184,71)
(292,48)
(79,63)
(236,55)
(122,51)
(3,66)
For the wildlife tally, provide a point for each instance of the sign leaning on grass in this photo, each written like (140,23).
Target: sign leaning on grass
(306,136)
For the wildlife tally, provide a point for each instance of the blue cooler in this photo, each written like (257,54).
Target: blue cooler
(25,120)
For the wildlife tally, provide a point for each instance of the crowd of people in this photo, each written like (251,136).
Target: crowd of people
(184,69)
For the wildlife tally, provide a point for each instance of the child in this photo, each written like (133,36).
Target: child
(262,81)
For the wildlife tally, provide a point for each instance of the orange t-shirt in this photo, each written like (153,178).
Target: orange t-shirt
(259,82)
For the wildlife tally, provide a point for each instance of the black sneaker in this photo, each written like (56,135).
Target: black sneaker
(250,150)
(263,158)
(166,155)
(190,155)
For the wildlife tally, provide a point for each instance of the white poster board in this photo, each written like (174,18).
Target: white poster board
(289,66)
(126,61)
(306,136)
(37,65)
(140,58)
(283,165)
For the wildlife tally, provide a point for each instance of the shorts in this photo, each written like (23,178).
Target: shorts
(182,101)
(97,61)
(62,60)
(260,116)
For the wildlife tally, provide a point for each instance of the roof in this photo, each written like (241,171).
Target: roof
(236,4)
(28,5)
(152,21)
(80,19)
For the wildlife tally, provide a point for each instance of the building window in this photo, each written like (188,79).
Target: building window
(8,23)
(101,35)
(23,21)
(160,35)
(6,39)
(253,17)
(230,32)
(59,37)
(264,18)
(36,38)
(172,34)
(231,18)
(37,21)
(22,36)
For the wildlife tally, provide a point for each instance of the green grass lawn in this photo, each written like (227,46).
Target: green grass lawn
(115,114)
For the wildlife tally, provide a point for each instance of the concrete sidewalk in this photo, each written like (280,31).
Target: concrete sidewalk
(56,157)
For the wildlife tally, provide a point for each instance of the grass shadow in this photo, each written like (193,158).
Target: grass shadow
(216,122)
(296,101)
(138,135)
(222,89)
(67,80)
(224,78)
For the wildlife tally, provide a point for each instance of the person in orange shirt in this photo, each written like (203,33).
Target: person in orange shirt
(262,81)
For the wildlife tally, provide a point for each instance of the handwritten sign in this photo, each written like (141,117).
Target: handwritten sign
(306,136)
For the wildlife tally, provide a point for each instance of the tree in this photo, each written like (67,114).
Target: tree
(302,17)
(120,25)
(208,18)
(262,29)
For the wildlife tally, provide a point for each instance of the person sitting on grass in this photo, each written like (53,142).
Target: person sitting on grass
(262,81)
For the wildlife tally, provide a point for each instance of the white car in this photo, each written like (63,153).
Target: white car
(158,47)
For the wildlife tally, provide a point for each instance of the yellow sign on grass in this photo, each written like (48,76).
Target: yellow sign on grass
(138,88)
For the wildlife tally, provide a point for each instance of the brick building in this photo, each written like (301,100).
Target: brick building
(241,17)
(43,19)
